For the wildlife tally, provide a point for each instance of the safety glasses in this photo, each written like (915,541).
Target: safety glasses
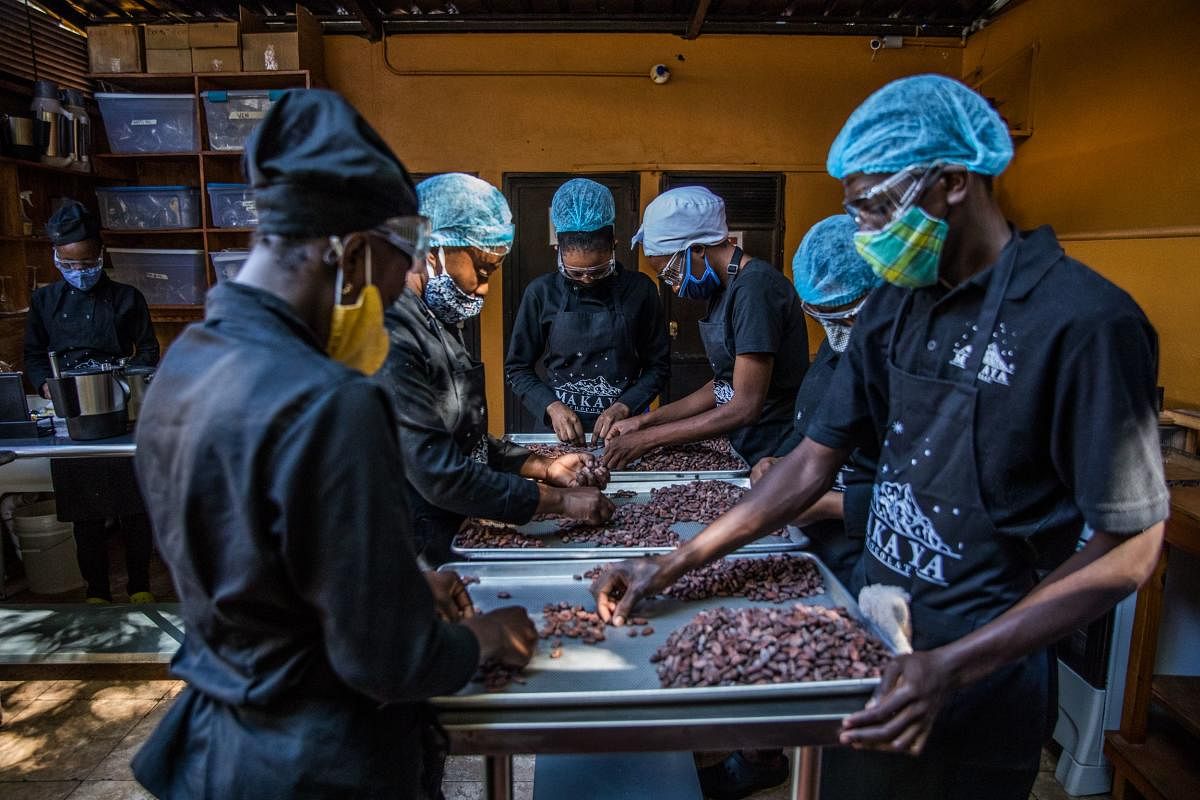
(672,273)
(409,235)
(79,263)
(845,315)
(597,272)
(875,208)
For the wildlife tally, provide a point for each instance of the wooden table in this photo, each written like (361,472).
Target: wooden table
(1159,761)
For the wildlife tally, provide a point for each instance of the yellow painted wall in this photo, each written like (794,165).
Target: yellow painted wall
(770,103)
(1115,152)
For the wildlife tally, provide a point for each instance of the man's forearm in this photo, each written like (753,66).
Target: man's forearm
(1084,587)
(715,421)
(795,483)
(695,403)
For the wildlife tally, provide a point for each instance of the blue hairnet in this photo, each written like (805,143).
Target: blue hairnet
(919,120)
(465,212)
(582,205)
(827,269)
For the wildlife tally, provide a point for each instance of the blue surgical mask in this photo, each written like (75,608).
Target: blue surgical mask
(82,279)
(700,288)
(445,300)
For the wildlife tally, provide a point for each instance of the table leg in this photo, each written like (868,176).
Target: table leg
(806,773)
(497,777)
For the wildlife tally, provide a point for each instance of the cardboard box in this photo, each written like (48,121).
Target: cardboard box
(166,37)
(213,34)
(264,51)
(169,61)
(216,59)
(115,48)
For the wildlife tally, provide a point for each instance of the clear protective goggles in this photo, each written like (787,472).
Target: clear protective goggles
(672,273)
(597,272)
(79,263)
(876,208)
(836,317)
(409,235)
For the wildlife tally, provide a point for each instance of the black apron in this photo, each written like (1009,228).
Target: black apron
(466,419)
(72,335)
(756,440)
(591,358)
(930,534)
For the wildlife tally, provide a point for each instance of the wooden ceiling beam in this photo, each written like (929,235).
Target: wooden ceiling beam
(369,15)
(697,21)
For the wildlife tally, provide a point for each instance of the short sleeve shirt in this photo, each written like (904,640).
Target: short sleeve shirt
(1066,428)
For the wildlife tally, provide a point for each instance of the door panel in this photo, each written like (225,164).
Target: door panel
(754,207)
(532,255)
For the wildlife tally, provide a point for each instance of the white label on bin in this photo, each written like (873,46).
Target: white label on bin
(114,64)
(250,206)
(158,276)
(143,122)
(247,114)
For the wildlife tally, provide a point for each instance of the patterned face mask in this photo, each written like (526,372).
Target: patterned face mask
(838,335)
(445,300)
(907,250)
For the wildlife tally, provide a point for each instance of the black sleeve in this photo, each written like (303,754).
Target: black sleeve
(653,345)
(1104,437)
(756,315)
(138,329)
(446,477)
(526,346)
(506,456)
(37,344)
(346,541)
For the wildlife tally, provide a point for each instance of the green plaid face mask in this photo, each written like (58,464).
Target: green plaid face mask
(907,250)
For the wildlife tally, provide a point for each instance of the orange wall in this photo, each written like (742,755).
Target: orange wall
(1115,152)
(770,103)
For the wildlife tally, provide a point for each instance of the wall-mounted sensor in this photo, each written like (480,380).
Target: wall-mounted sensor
(660,73)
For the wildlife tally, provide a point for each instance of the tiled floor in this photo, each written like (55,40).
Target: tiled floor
(74,739)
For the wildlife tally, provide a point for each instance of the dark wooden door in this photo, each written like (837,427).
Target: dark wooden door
(754,209)
(532,255)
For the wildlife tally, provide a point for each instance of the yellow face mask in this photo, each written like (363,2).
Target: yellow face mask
(357,336)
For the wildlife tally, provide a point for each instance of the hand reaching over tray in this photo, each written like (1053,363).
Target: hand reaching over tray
(506,636)
(623,585)
(450,596)
(576,469)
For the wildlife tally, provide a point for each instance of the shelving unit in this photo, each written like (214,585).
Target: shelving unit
(197,169)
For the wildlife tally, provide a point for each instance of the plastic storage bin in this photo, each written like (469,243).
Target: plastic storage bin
(150,123)
(47,548)
(226,263)
(165,277)
(135,207)
(232,205)
(231,115)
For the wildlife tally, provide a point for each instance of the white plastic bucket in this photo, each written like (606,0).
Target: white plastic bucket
(47,549)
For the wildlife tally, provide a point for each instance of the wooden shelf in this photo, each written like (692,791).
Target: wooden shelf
(223,153)
(187,81)
(148,231)
(164,156)
(1179,697)
(1161,767)
(176,313)
(37,166)
(230,230)
(26,239)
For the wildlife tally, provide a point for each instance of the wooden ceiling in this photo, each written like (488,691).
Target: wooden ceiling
(684,17)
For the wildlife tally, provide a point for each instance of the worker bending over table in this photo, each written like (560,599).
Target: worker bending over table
(1010,393)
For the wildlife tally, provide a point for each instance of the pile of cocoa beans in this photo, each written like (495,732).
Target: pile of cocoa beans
(731,647)
(477,534)
(774,579)
(496,676)
(708,455)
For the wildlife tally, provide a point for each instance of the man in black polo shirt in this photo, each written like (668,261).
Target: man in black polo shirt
(1009,393)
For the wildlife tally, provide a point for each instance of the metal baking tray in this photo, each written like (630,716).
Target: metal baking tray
(618,671)
(623,476)
(556,548)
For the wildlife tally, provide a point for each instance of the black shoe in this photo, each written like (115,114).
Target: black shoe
(736,777)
